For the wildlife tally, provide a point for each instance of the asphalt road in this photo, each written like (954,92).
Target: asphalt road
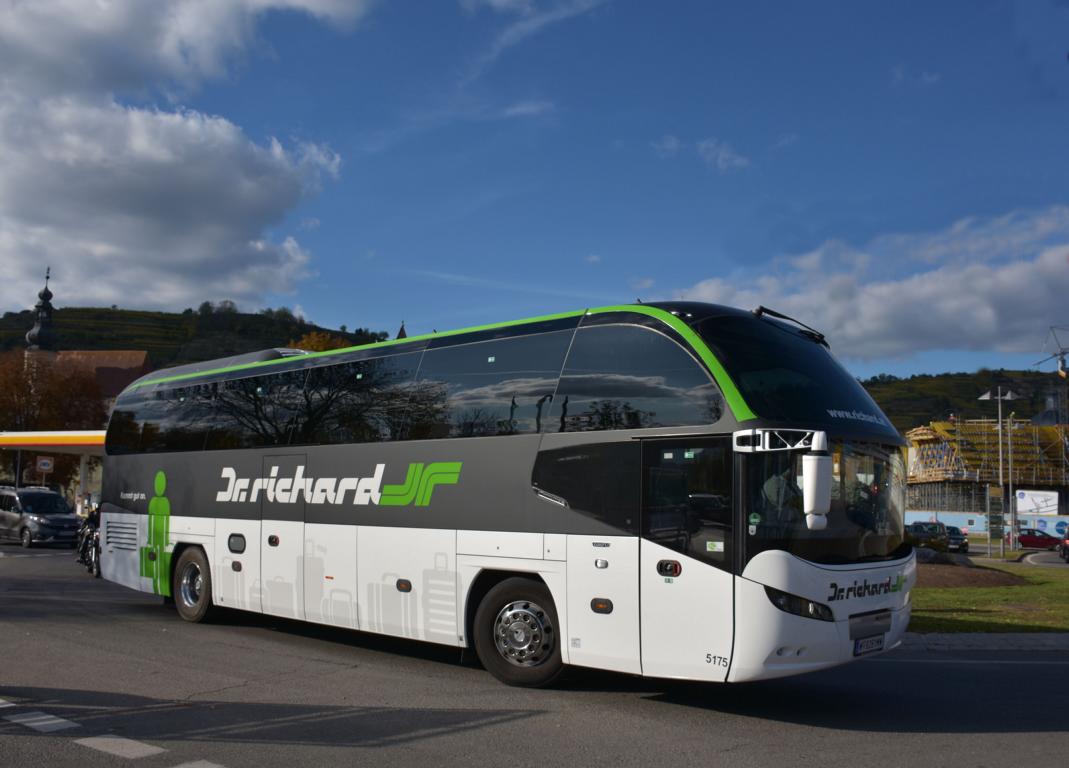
(89,671)
(1045,558)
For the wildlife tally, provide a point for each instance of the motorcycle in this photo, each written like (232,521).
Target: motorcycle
(89,545)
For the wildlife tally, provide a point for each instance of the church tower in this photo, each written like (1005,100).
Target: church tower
(40,337)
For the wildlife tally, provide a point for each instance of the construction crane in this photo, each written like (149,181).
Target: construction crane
(1056,341)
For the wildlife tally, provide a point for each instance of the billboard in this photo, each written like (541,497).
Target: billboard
(1037,502)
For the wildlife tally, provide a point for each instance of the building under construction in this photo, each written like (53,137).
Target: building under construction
(953,463)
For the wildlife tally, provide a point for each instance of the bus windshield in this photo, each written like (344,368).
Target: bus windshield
(786,376)
(867,510)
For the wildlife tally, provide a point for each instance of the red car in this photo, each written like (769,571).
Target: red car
(1030,538)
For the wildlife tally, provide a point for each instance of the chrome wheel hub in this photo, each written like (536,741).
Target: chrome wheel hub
(523,634)
(191,584)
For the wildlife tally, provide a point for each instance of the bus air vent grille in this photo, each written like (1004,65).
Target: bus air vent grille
(121,535)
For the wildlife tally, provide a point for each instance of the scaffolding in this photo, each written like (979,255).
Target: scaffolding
(952,462)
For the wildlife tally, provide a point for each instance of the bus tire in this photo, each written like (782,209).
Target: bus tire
(516,635)
(192,585)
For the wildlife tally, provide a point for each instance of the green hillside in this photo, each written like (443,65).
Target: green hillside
(919,399)
(171,338)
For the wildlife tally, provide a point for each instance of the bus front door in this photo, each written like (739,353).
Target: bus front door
(685,558)
(282,536)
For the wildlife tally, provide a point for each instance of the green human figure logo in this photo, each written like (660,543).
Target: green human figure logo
(155,559)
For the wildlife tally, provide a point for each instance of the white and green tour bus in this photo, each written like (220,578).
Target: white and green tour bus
(675,490)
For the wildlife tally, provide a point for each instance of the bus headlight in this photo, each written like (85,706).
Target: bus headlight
(799,606)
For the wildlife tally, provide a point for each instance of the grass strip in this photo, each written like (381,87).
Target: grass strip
(1041,605)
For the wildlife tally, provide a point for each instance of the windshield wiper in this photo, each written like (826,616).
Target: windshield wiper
(807,331)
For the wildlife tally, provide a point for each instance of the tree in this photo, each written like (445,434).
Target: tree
(35,394)
(320,341)
(205,309)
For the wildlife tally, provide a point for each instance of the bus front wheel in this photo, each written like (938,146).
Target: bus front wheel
(516,634)
(192,587)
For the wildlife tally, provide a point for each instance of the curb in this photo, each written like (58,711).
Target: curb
(986,641)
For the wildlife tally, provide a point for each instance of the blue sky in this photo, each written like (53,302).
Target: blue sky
(892,174)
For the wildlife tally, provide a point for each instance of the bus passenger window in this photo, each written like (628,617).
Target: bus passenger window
(687,498)
(496,387)
(597,480)
(363,401)
(631,377)
(256,411)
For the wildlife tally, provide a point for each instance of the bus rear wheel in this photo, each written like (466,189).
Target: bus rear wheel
(192,585)
(516,634)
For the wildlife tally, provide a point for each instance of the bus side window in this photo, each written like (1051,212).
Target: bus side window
(363,401)
(255,411)
(124,429)
(631,377)
(170,420)
(598,480)
(496,387)
(188,418)
(686,499)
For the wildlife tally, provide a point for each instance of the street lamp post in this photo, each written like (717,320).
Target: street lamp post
(1000,397)
(1013,500)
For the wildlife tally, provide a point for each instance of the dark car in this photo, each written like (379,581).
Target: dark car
(1063,548)
(1030,538)
(36,516)
(928,535)
(957,540)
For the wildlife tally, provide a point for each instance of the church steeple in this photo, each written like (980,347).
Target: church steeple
(40,336)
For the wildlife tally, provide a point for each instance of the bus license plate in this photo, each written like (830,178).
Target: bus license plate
(868,645)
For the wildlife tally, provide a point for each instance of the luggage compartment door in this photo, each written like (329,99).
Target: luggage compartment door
(282,536)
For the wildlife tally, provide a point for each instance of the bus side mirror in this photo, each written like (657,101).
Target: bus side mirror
(816,483)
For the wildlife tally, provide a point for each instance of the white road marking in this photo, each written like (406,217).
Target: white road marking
(41,721)
(5,704)
(120,746)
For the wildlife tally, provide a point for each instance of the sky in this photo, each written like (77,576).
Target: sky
(894,175)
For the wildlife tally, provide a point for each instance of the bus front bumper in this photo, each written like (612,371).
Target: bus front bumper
(771,643)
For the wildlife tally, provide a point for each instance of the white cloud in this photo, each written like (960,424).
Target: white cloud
(667,146)
(501,6)
(592,258)
(720,155)
(530,23)
(529,108)
(983,285)
(785,140)
(902,75)
(134,205)
(123,45)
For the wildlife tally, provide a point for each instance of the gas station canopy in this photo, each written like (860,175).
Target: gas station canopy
(79,442)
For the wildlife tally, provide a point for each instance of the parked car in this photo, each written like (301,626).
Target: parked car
(36,516)
(1031,538)
(1063,548)
(957,539)
(928,535)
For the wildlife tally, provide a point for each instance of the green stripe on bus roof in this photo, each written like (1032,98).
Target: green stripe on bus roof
(735,399)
